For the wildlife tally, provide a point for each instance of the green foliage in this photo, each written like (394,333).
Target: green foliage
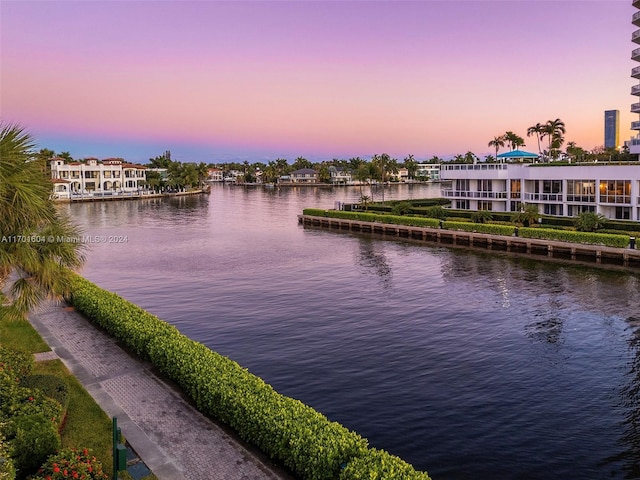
(436,212)
(528,215)
(401,208)
(71,463)
(589,222)
(481,216)
(32,438)
(52,386)
(15,364)
(287,430)
(380,465)
(617,241)
(7,468)
(489,228)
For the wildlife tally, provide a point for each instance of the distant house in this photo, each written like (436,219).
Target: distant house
(93,176)
(428,171)
(304,175)
(216,175)
(339,176)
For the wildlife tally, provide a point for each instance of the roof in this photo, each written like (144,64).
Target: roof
(304,171)
(518,154)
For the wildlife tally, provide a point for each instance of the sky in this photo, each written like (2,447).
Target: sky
(217,81)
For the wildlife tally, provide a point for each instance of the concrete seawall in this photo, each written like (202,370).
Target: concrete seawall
(597,254)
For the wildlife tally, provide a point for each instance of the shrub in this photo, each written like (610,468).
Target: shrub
(52,386)
(436,212)
(489,228)
(71,463)
(401,208)
(481,216)
(31,438)
(7,469)
(589,222)
(618,241)
(14,363)
(16,400)
(380,465)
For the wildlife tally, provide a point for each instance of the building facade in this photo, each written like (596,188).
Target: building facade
(94,177)
(611,190)
(611,129)
(634,143)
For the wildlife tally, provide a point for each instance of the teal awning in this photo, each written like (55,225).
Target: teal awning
(518,154)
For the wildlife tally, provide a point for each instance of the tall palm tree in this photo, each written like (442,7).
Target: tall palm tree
(497,143)
(554,130)
(536,129)
(513,140)
(38,245)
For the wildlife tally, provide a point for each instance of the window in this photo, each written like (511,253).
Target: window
(516,189)
(484,185)
(575,210)
(552,209)
(623,213)
(482,205)
(462,184)
(581,191)
(552,186)
(615,191)
(515,206)
(462,204)
(107,174)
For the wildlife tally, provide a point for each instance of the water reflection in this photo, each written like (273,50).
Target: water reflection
(373,258)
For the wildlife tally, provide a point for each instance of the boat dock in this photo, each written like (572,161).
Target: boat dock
(598,254)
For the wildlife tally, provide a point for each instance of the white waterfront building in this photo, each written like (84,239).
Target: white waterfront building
(612,190)
(96,178)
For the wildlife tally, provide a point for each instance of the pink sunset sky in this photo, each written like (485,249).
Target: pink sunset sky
(217,81)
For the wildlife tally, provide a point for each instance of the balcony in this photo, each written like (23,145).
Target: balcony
(635,36)
(635,125)
(543,197)
(472,194)
(635,108)
(636,19)
(635,90)
(635,72)
(635,55)
(636,3)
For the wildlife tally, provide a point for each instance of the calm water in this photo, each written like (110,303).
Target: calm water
(467,364)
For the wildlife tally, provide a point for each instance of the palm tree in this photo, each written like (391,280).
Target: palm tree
(554,130)
(537,129)
(497,143)
(513,140)
(411,165)
(528,215)
(38,245)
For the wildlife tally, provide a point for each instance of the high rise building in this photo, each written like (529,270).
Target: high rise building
(611,128)
(634,144)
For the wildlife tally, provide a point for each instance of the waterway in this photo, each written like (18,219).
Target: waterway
(468,364)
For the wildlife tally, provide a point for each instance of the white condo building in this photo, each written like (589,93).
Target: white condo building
(634,143)
(612,190)
(109,177)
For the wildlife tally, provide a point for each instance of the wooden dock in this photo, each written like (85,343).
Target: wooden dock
(549,248)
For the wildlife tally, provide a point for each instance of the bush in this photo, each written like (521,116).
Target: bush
(71,463)
(589,222)
(380,465)
(489,228)
(481,216)
(7,469)
(401,208)
(15,364)
(617,241)
(436,212)
(52,386)
(31,438)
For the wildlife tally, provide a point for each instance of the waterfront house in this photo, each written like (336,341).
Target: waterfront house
(339,176)
(216,175)
(612,190)
(304,175)
(428,171)
(96,178)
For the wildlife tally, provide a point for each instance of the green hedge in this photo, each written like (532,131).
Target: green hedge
(380,465)
(287,430)
(606,239)
(489,228)
(373,217)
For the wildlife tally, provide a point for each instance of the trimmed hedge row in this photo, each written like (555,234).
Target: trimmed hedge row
(606,239)
(284,428)
(489,228)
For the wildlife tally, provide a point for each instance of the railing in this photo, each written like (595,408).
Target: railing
(635,18)
(635,72)
(635,53)
(635,90)
(635,36)
(472,194)
(635,107)
(544,197)
(476,166)
(615,199)
(581,198)
(635,125)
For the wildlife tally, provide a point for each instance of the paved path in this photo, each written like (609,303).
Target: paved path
(170,436)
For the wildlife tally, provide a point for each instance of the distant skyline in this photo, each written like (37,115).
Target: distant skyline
(217,81)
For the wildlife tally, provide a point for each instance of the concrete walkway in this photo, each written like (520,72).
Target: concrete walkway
(171,437)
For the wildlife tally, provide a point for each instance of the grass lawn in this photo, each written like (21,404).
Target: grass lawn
(86,424)
(22,336)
